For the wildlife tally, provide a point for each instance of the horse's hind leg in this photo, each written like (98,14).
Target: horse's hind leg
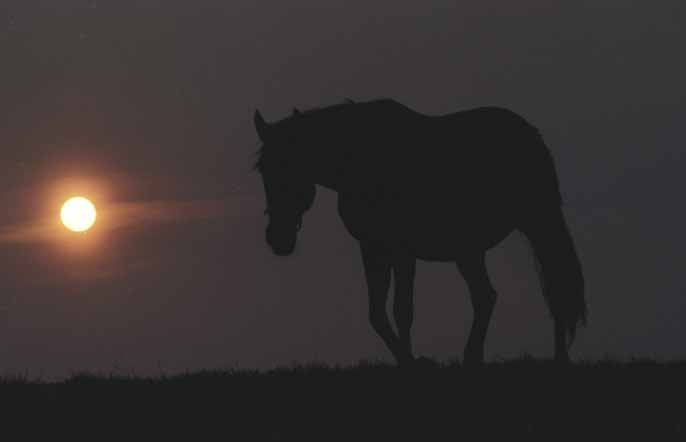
(561,352)
(483,297)
(403,306)
(377,268)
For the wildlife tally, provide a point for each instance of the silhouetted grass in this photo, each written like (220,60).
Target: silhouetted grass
(367,401)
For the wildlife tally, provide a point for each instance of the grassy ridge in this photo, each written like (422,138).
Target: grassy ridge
(521,397)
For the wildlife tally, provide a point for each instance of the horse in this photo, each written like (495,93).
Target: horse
(412,186)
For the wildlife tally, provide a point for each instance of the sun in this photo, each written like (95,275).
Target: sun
(78,214)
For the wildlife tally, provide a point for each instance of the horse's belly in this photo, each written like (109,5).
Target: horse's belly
(429,233)
(449,239)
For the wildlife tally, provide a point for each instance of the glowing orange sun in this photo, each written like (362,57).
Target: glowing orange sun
(78,214)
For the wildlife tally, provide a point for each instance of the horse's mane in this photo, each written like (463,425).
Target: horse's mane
(325,109)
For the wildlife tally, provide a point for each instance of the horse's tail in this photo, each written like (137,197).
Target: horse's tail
(558,268)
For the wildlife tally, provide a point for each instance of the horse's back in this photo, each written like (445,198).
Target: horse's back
(481,155)
(454,181)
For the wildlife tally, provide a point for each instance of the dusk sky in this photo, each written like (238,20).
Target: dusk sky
(146,108)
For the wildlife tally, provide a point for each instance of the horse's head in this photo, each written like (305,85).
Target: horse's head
(289,194)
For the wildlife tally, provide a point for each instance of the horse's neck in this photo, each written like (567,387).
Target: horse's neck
(329,171)
(349,169)
(351,151)
(332,163)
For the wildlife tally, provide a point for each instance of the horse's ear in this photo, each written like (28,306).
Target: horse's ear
(296,112)
(261,126)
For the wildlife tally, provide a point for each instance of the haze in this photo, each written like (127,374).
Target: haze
(151,102)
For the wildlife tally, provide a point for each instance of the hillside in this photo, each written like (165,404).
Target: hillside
(364,402)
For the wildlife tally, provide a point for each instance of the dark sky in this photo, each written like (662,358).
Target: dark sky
(146,107)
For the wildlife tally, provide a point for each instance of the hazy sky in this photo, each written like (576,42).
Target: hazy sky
(146,107)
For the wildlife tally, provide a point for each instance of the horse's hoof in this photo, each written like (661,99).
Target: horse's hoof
(562,362)
(407,363)
(420,363)
(473,363)
(424,363)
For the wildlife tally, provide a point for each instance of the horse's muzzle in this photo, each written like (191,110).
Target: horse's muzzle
(281,245)
(283,251)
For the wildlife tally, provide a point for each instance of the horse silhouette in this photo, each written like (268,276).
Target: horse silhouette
(438,188)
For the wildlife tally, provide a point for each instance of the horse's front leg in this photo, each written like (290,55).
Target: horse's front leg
(403,303)
(377,268)
(561,347)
